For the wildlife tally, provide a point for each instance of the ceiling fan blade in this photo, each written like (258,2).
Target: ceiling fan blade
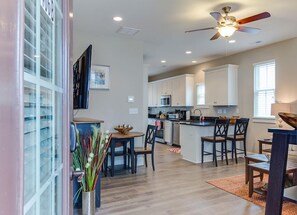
(216,36)
(254,18)
(201,29)
(217,16)
(248,29)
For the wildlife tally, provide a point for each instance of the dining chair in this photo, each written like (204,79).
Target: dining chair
(120,150)
(240,131)
(219,136)
(148,148)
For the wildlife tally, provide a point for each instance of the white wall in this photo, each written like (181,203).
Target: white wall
(285,55)
(124,56)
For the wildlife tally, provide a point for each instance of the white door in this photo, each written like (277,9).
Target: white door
(45,115)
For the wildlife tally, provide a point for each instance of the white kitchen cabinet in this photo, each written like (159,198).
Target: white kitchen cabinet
(150,94)
(154,94)
(166,87)
(221,85)
(182,91)
(168,132)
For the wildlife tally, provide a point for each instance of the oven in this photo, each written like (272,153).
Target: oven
(160,129)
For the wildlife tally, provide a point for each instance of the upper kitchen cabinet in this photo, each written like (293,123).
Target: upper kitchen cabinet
(221,85)
(182,91)
(154,94)
(165,87)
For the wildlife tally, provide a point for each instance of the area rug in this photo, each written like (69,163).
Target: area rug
(236,186)
(175,150)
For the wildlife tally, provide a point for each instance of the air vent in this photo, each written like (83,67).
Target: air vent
(128,31)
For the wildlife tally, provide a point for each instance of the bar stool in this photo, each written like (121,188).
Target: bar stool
(220,134)
(240,131)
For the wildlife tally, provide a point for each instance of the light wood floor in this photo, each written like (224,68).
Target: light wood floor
(177,187)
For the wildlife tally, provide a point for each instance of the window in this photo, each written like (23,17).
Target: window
(200,90)
(264,88)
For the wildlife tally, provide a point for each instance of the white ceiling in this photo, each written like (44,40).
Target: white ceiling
(162,24)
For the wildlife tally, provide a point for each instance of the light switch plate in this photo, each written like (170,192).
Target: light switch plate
(133,110)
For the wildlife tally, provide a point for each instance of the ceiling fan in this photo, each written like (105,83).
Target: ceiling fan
(227,25)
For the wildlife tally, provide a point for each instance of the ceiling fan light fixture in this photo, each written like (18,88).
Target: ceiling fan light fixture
(227,31)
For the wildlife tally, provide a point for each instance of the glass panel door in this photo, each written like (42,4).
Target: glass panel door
(43,100)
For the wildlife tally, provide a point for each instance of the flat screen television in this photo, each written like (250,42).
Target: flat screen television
(81,80)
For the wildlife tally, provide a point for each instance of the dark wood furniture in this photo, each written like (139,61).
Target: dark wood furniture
(219,136)
(263,168)
(255,158)
(279,154)
(125,139)
(239,135)
(266,142)
(149,147)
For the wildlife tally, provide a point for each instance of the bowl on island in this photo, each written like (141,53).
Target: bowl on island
(289,118)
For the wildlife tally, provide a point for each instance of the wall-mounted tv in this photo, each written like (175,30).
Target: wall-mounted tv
(81,80)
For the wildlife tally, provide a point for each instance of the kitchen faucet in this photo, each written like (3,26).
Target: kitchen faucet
(200,116)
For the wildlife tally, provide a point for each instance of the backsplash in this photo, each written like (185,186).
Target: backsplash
(210,111)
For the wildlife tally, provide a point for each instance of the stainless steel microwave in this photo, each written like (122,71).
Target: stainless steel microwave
(165,101)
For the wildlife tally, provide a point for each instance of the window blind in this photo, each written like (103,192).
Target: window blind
(264,88)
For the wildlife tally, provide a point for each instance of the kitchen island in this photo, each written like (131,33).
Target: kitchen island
(190,140)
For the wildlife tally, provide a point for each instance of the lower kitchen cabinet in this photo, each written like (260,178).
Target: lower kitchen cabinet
(168,132)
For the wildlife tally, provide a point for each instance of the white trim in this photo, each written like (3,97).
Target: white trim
(264,62)
(266,120)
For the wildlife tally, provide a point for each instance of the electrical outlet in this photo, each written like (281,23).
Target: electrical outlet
(224,110)
(219,110)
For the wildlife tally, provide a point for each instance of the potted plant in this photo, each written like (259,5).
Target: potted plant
(88,157)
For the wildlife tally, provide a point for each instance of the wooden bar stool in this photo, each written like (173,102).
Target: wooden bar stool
(239,135)
(220,134)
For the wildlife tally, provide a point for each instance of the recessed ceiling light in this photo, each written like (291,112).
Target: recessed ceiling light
(71,15)
(117,18)
(163,61)
(194,61)
(232,41)
(188,52)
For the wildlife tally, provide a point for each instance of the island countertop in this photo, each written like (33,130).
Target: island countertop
(198,123)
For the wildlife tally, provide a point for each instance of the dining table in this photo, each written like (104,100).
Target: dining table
(125,139)
(276,193)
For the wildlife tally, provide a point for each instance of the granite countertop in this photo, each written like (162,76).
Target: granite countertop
(198,123)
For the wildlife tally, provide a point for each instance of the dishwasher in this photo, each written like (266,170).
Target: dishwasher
(168,132)
(175,133)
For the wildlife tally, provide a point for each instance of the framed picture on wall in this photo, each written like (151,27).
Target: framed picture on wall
(100,75)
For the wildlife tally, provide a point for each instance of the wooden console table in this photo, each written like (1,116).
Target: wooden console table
(279,155)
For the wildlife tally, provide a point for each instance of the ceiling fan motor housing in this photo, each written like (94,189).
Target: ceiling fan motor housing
(228,21)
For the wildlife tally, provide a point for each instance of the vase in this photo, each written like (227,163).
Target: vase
(88,203)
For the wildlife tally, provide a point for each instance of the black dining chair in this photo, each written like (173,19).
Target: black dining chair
(120,150)
(148,148)
(219,136)
(240,131)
